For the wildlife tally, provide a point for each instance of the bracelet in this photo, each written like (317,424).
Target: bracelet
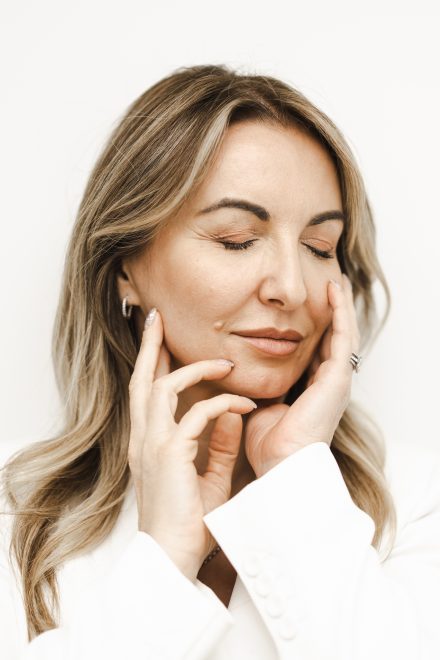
(211,555)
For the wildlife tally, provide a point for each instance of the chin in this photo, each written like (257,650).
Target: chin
(265,392)
(266,383)
(260,394)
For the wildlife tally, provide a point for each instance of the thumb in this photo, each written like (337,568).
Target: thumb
(223,449)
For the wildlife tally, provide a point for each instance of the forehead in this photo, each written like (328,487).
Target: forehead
(274,166)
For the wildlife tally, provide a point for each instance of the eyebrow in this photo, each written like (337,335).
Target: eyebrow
(263,214)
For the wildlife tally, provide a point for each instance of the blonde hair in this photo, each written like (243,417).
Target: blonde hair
(66,492)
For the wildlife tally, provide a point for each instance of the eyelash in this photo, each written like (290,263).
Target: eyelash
(229,245)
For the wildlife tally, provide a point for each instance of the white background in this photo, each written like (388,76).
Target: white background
(70,69)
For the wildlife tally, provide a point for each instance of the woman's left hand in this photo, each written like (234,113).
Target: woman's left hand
(275,432)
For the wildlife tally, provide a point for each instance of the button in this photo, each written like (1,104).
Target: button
(252,564)
(275,604)
(263,584)
(287,628)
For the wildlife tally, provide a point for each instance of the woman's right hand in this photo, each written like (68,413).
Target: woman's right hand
(171,497)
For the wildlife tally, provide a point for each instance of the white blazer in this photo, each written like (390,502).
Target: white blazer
(309,586)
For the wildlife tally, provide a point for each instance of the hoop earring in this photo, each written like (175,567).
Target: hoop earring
(126,314)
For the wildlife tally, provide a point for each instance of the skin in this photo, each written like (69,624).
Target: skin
(205,292)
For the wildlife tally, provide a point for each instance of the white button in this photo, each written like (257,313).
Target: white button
(252,564)
(287,627)
(263,584)
(275,604)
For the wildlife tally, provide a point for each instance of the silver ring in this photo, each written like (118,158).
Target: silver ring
(126,314)
(355,361)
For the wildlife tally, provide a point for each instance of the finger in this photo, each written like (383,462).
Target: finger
(312,369)
(324,346)
(223,449)
(352,312)
(342,335)
(163,363)
(322,354)
(195,420)
(145,367)
(166,388)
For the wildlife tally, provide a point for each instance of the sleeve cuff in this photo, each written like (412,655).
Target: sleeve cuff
(295,537)
(146,607)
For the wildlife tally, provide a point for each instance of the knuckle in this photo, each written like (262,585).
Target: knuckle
(164,448)
(159,385)
(229,399)
(199,405)
(225,397)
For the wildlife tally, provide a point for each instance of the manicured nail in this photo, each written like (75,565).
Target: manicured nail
(227,362)
(150,316)
(336,283)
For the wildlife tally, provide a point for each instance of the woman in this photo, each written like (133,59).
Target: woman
(222,242)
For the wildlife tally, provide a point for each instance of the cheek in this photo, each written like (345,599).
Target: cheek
(200,283)
(193,296)
(198,292)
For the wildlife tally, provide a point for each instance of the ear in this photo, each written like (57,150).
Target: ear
(125,284)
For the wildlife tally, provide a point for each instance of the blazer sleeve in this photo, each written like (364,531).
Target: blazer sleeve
(303,551)
(143,608)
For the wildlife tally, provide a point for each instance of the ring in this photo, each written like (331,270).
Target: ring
(355,361)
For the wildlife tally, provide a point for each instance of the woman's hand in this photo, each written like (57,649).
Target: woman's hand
(275,432)
(171,497)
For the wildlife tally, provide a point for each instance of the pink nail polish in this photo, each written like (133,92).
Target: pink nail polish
(150,317)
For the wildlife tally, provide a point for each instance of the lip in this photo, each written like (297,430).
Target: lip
(273,333)
(272,346)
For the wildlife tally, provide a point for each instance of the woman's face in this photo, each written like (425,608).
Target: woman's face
(206,291)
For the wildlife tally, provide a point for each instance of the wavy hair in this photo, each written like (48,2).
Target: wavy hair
(65,493)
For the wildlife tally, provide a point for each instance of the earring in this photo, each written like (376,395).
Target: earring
(126,314)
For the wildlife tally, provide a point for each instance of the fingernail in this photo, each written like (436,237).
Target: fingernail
(228,362)
(150,316)
(336,283)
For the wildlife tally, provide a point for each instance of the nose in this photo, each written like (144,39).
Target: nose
(282,277)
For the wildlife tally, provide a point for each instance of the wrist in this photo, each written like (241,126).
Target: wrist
(185,562)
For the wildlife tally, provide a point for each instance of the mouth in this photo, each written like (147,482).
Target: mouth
(271,346)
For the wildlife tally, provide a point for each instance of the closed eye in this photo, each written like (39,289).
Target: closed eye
(230,245)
